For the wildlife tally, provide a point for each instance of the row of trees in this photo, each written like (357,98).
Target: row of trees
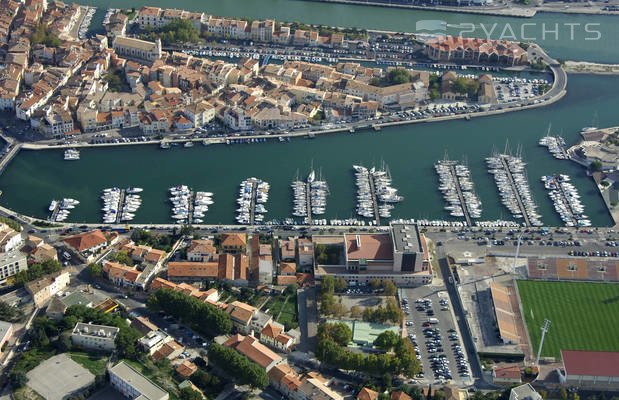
(237,365)
(157,241)
(401,361)
(202,316)
(36,271)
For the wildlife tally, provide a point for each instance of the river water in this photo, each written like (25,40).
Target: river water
(35,177)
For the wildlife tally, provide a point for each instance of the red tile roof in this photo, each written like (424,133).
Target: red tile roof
(86,240)
(591,363)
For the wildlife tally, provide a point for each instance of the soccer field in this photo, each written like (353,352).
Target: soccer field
(584,316)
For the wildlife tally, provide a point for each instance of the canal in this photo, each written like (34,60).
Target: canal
(34,178)
(567,36)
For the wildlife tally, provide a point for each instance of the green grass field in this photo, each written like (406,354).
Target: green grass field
(584,316)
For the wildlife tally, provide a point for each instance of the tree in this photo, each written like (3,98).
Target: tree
(595,166)
(63,343)
(398,76)
(386,340)
(18,379)
(291,289)
(375,284)
(123,258)
(9,313)
(94,270)
(208,318)
(386,380)
(563,394)
(389,288)
(188,393)
(356,312)
(337,332)
(235,364)
(41,35)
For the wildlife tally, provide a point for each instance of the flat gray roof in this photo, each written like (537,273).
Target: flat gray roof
(95,330)
(144,385)
(4,327)
(406,238)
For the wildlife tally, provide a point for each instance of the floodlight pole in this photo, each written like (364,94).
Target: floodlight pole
(545,327)
(517,252)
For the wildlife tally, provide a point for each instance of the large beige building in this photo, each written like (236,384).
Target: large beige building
(44,288)
(12,263)
(137,49)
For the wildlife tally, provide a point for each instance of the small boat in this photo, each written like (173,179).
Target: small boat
(188,144)
(164,145)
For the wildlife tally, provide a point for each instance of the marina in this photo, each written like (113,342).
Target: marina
(514,190)
(457,188)
(566,200)
(375,195)
(410,151)
(555,144)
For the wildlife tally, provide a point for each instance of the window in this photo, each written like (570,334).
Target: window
(572,267)
(541,267)
(601,268)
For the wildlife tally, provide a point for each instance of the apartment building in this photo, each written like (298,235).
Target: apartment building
(94,337)
(133,385)
(43,289)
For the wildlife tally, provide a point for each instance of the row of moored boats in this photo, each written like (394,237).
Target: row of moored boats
(386,195)
(449,180)
(566,200)
(317,200)
(514,191)
(71,154)
(120,205)
(253,192)
(60,209)
(555,145)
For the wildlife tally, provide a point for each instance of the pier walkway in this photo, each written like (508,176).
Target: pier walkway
(190,207)
(525,215)
(54,213)
(465,208)
(252,204)
(308,201)
(374,200)
(121,205)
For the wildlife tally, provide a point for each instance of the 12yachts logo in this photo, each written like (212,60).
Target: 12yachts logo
(515,32)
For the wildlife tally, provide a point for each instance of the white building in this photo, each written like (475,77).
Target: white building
(11,263)
(134,385)
(94,337)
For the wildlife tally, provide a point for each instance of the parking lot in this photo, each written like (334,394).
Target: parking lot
(432,329)
(513,89)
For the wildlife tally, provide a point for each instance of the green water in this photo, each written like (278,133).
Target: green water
(561,44)
(35,177)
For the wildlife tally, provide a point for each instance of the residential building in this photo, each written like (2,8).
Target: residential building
(9,239)
(305,252)
(169,350)
(187,271)
(399,395)
(273,335)
(88,243)
(475,50)
(597,370)
(44,288)
(121,275)
(153,341)
(506,375)
(250,347)
(94,337)
(44,252)
(6,331)
(59,304)
(144,325)
(134,385)
(367,394)
(12,263)
(309,386)
(186,369)
(241,315)
(201,251)
(234,243)
(524,392)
